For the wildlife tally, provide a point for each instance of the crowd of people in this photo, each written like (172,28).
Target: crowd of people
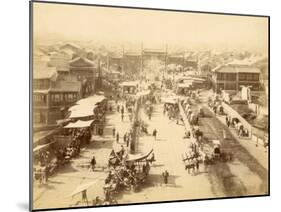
(125,174)
(234,122)
(171,110)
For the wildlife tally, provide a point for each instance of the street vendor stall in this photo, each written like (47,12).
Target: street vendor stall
(85,108)
(129,87)
(79,124)
(183,88)
(129,173)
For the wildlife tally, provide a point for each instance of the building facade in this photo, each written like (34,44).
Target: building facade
(233,77)
(85,72)
(52,96)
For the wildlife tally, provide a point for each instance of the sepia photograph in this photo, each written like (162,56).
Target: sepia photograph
(140,105)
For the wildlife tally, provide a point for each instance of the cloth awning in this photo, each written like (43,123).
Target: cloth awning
(138,157)
(78,111)
(38,136)
(85,107)
(169,101)
(217,142)
(40,147)
(184,85)
(79,124)
(91,100)
(133,83)
(143,93)
(83,187)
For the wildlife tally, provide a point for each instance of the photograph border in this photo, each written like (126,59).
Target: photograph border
(138,8)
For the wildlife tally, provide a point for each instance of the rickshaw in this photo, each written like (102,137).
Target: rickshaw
(217,149)
(220,155)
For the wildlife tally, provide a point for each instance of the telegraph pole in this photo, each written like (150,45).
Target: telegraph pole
(166,57)
(123,59)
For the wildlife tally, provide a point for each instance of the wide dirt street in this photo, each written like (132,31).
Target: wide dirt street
(243,176)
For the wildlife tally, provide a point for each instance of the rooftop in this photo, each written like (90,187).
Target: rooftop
(66,86)
(44,72)
(81,61)
(236,69)
(70,44)
(161,51)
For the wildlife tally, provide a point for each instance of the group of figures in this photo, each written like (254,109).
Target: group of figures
(124,173)
(200,151)
(59,155)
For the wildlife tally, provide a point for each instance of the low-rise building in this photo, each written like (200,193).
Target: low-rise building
(234,76)
(85,71)
(51,96)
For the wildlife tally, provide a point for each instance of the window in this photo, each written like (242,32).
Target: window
(39,98)
(56,97)
(230,77)
(219,76)
(256,77)
(36,117)
(249,77)
(230,86)
(242,76)
(70,97)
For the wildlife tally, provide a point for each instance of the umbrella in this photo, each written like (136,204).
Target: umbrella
(83,187)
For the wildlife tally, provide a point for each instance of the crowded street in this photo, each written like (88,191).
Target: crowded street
(148,114)
(169,146)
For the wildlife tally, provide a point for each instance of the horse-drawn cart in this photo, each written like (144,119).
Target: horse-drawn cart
(218,154)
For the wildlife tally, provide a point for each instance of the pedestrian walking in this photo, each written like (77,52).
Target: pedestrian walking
(117,137)
(44,174)
(84,196)
(215,110)
(197,164)
(165,175)
(122,116)
(154,133)
(93,163)
(113,131)
(228,123)
(128,141)
(125,137)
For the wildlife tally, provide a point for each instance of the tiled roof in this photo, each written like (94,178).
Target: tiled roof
(236,69)
(44,72)
(80,60)
(66,86)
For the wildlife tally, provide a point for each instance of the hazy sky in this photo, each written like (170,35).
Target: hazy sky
(150,27)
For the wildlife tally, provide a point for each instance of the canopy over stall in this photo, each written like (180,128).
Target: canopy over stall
(79,124)
(39,136)
(78,111)
(216,142)
(85,107)
(91,100)
(143,93)
(129,84)
(185,85)
(138,157)
(169,101)
(83,187)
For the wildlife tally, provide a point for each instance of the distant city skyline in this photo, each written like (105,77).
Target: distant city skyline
(153,28)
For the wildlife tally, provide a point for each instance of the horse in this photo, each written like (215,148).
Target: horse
(190,165)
